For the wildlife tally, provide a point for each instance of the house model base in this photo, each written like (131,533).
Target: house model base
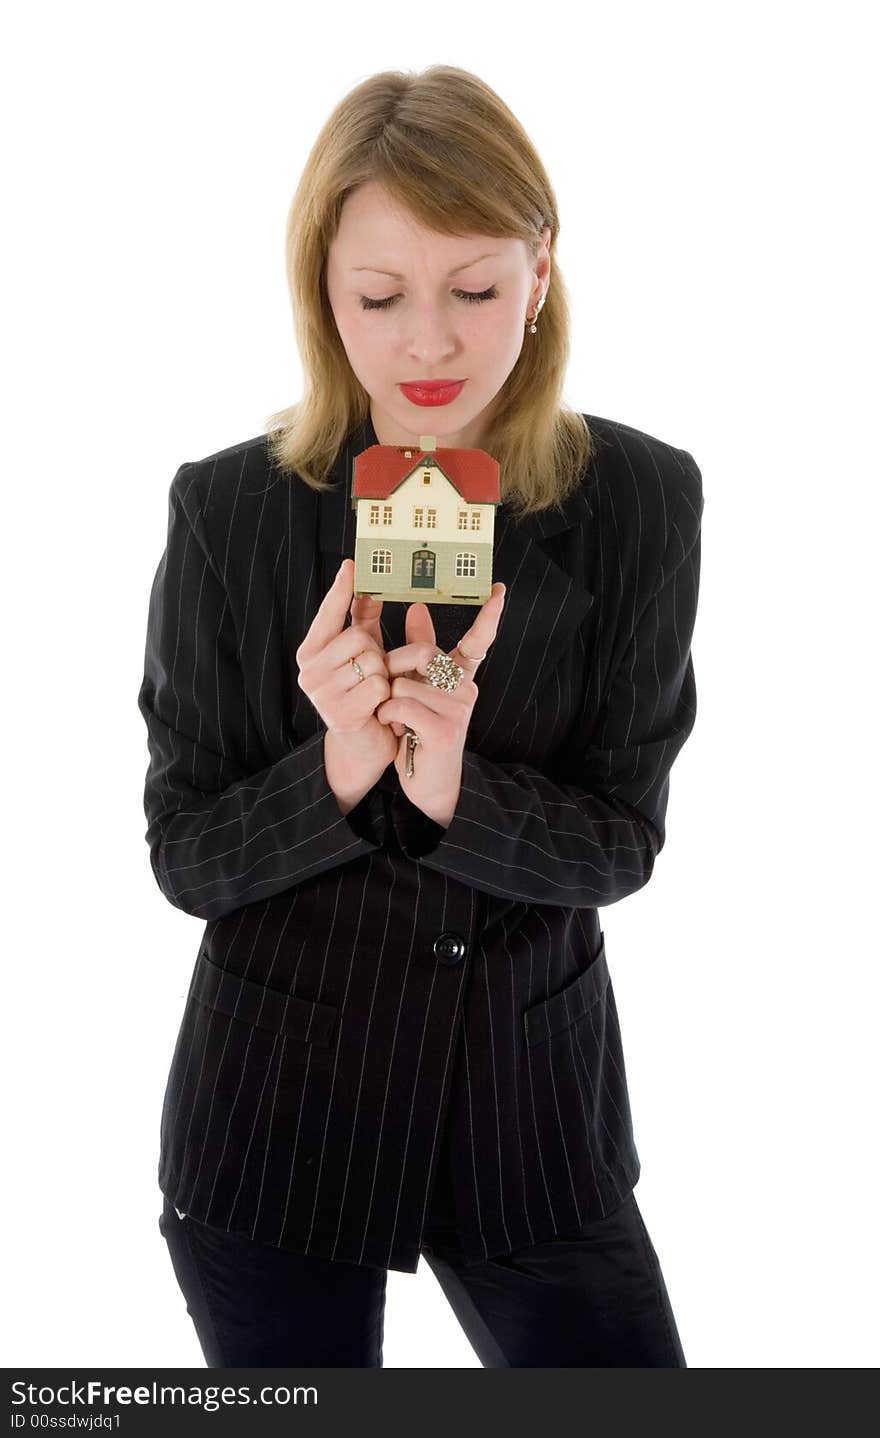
(425,523)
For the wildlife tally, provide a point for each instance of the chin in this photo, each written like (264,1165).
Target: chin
(438,420)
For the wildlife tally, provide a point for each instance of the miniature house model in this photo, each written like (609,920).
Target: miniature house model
(425,523)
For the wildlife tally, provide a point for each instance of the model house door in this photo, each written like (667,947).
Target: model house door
(423,569)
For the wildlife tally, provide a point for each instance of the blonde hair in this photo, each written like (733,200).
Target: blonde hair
(448,149)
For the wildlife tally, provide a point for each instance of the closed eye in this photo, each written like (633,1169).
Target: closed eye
(471,296)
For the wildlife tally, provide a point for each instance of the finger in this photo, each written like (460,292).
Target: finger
(484,629)
(330,617)
(407,658)
(423,716)
(365,610)
(391,723)
(418,687)
(441,701)
(475,643)
(414,658)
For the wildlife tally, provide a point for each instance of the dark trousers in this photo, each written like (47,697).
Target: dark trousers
(592,1298)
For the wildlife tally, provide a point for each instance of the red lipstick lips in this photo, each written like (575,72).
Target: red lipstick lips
(432,391)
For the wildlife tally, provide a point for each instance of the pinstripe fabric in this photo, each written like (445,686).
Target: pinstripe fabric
(367,983)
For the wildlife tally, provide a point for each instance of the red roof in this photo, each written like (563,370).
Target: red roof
(378,470)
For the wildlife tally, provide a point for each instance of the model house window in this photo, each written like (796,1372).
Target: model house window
(380,561)
(464,515)
(387,513)
(424,518)
(426,476)
(465,566)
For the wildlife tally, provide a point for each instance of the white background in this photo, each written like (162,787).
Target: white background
(715,180)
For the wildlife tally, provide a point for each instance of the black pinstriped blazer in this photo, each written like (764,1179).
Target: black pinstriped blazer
(364,981)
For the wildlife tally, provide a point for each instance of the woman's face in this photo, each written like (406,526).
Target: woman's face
(429,329)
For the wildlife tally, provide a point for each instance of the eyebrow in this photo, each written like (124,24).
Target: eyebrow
(466,266)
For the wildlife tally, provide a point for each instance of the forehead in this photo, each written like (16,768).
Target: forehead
(375,229)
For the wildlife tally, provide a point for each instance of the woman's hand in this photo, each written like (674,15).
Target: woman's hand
(357,748)
(440,718)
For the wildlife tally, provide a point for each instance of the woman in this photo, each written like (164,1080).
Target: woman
(400,1035)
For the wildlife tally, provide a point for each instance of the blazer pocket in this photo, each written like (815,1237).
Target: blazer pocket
(260,1006)
(570,1004)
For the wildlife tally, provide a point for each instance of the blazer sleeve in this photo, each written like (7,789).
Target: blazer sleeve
(219,835)
(518,834)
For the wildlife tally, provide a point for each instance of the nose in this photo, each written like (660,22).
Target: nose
(431,339)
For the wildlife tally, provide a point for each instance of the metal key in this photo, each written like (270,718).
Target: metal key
(412,739)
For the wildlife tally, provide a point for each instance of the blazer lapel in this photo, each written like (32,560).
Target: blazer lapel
(543,605)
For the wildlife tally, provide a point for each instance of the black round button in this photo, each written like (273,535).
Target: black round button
(450,948)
